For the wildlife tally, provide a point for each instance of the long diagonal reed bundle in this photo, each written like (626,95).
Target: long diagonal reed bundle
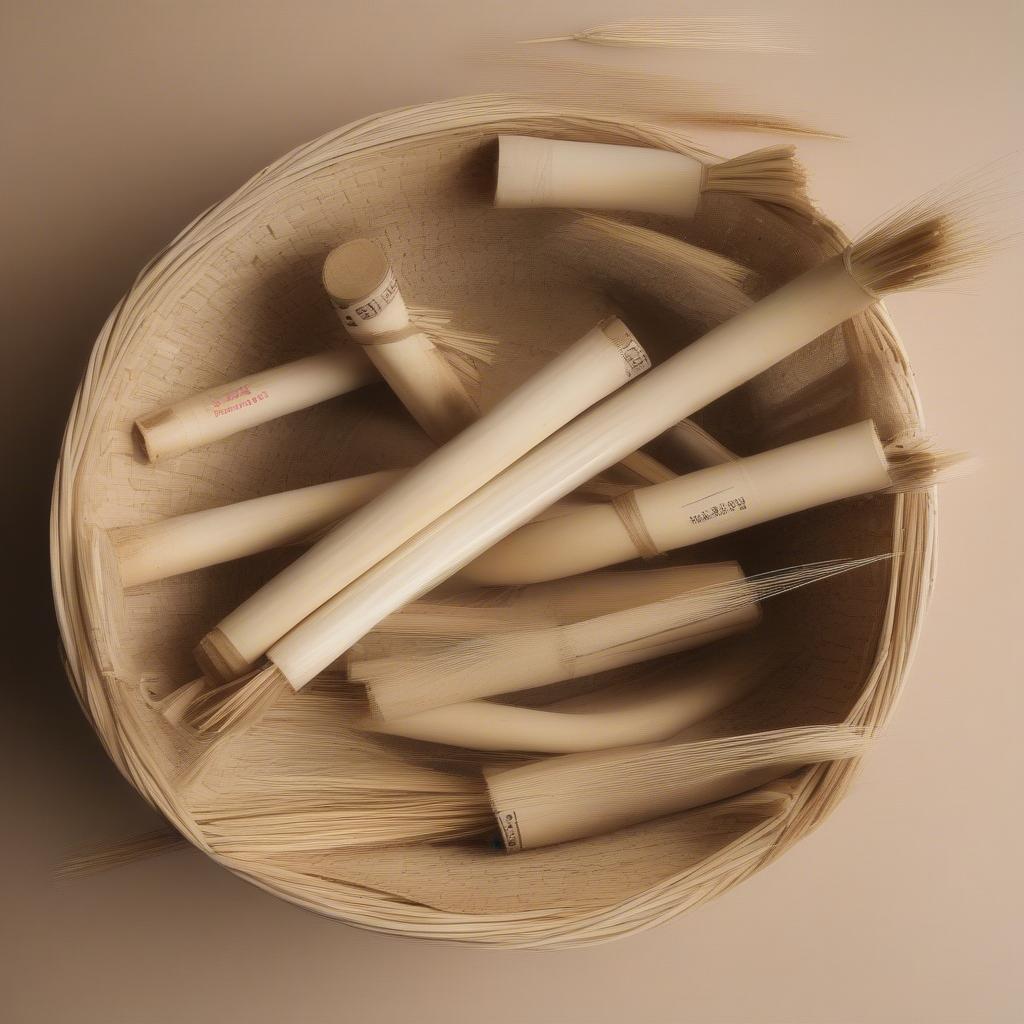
(602,360)
(527,658)
(937,239)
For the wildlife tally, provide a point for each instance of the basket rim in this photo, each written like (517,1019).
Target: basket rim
(79,601)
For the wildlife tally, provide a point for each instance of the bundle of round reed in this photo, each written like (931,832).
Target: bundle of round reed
(425,175)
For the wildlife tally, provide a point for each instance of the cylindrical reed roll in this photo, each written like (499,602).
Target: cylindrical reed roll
(603,360)
(361,282)
(596,176)
(198,539)
(249,401)
(557,800)
(692,508)
(532,657)
(721,360)
(646,710)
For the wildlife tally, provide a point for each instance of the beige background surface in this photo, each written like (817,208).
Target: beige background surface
(121,121)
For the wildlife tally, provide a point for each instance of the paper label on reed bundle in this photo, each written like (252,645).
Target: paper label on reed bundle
(711,508)
(636,359)
(373,305)
(509,825)
(239,398)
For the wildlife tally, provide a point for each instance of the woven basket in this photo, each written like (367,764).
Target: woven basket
(239,290)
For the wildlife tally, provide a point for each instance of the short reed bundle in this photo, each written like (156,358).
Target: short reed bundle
(776,327)
(527,658)
(535,172)
(558,800)
(604,359)
(361,283)
(219,412)
(410,173)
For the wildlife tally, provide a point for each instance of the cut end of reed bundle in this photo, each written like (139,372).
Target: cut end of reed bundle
(944,235)
(353,270)
(219,658)
(235,705)
(772,175)
(916,464)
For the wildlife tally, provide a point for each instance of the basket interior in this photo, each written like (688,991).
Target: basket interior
(254,299)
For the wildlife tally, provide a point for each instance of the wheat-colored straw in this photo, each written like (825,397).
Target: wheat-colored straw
(749,343)
(666,99)
(604,359)
(429,624)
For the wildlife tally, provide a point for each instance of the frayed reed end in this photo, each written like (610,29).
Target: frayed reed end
(915,464)
(106,856)
(772,175)
(945,235)
(240,703)
(465,351)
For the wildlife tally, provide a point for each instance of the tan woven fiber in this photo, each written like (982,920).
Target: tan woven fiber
(240,289)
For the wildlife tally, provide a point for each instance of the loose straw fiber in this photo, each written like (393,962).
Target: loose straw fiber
(240,289)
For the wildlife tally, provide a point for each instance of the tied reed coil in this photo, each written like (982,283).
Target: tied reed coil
(240,290)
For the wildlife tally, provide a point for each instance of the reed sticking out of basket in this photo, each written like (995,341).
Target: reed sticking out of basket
(230,408)
(521,660)
(534,172)
(664,700)
(604,359)
(720,32)
(710,503)
(560,799)
(940,235)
